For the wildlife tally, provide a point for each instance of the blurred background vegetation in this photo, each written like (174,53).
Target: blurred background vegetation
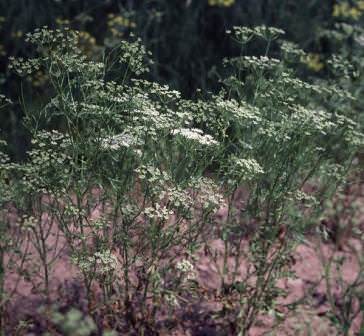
(186,37)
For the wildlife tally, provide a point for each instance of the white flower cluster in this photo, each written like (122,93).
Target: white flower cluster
(49,162)
(343,120)
(106,262)
(332,170)
(24,67)
(98,223)
(115,142)
(290,81)
(207,193)
(178,197)
(268,33)
(254,63)
(102,263)
(97,85)
(334,90)
(134,55)
(65,53)
(245,169)
(119,99)
(270,130)
(73,211)
(161,91)
(310,121)
(29,222)
(61,48)
(152,174)
(340,66)
(155,179)
(171,299)
(146,117)
(242,111)
(196,135)
(92,110)
(53,138)
(245,34)
(59,39)
(360,40)
(128,210)
(355,138)
(292,50)
(158,212)
(303,198)
(241,34)
(75,63)
(186,269)
(263,62)
(4,100)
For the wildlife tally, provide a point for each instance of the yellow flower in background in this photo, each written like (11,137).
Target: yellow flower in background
(346,11)
(118,24)
(355,13)
(17,34)
(221,3)
(62,22)
(115,20)
(86,38)
(88,43)
(313,62)
(2,50)
(340,9)
(116,33)
(336,11)
(228,3)
(38,79)
(360,5)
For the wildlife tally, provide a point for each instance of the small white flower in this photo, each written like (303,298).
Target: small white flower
(360,40)
(195,134)
(118,141)
(171,300)
(247,169)
(186,269)
(158,212)
(184,266)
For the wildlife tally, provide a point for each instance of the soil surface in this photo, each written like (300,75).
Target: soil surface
(308,291)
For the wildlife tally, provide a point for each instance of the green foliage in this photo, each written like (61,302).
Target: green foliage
(74,323)
(157,168)
(187,38)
